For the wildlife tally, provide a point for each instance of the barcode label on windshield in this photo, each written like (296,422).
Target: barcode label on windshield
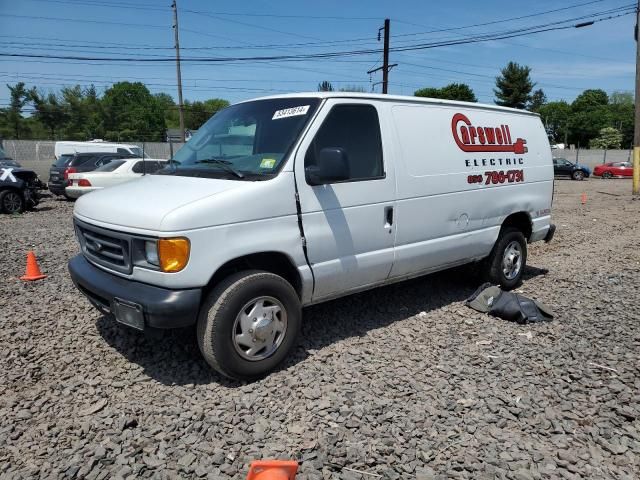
(291,112)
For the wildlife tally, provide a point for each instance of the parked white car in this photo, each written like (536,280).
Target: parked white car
(317,196)
(94,146)
(113,173)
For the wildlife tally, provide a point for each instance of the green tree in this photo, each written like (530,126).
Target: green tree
(513,86)
(48,111)
(169,109)
(77,114)
(196,113)
(131,113)
(94,127)
(589,99)
(556,117)
(214,105)
(13,116)
(537,100)
(325,86)
(590,113)
(608,138)
(453,91)
(621,106)
(621,98)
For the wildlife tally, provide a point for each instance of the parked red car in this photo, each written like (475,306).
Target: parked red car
(614,169)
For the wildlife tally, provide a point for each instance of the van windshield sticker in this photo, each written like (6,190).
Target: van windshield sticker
(268,163)
(290,112)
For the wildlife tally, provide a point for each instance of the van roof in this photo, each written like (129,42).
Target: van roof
(396,98)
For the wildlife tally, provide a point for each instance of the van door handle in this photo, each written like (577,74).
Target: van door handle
(388,216)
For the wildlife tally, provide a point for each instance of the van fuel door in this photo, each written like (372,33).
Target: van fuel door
(463,222)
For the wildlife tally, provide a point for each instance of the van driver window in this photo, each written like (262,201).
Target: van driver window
(355,129)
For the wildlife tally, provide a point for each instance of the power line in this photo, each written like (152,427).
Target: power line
(234,14)
(84,20)
(553,26)
(295,45)
(503,20)
(87,78)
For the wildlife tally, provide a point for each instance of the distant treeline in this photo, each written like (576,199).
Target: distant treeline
(125,112)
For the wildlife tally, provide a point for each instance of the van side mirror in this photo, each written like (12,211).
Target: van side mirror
(332,166)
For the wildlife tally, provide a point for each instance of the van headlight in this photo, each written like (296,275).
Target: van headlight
(151,252)
(173,253)
(168,255)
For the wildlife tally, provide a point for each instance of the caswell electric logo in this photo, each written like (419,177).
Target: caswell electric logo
(472,138)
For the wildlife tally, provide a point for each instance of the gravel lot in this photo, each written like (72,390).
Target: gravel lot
(401,382)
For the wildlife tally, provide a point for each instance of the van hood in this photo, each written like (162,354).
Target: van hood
(144,203)
(167,203)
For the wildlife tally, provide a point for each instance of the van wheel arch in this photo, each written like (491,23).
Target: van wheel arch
(277,263)
(521,221)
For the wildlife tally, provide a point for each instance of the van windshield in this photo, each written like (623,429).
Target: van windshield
(246,141)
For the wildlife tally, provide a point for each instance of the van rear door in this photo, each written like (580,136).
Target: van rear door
(349,224)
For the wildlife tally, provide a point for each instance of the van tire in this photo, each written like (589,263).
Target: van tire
(221,313)
(493,266)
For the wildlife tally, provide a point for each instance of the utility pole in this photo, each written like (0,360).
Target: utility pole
(636,128)
(385,62)
(177,46)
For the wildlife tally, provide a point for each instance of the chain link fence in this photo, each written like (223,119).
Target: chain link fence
(38,155)
(594,157)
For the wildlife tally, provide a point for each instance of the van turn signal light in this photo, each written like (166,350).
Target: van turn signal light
(173,253)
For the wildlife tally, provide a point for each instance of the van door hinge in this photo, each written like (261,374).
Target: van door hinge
(297,197)
(304,241)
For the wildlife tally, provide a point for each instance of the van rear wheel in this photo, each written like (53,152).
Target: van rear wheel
(248,324)
(505,264)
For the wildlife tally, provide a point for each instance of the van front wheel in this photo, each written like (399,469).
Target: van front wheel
(248,324)
(505,264)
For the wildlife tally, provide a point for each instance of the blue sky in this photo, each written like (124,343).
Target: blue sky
(563,62)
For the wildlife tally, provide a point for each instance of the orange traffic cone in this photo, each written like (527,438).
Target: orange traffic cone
(33,271)
(273,470)
(583,198)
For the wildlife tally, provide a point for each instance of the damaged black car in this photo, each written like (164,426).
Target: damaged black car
(19,187)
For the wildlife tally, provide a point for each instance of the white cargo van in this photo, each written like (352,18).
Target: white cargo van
(286,201)
(95,146)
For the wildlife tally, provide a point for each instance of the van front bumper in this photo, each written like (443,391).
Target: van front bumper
(133,303)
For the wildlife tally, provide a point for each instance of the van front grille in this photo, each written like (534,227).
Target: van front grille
(105,247)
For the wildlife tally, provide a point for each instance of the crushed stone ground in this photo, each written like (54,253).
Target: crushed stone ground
(402,381)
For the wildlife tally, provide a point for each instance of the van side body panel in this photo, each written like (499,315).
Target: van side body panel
(444,217)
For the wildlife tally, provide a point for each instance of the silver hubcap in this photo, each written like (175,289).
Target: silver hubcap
(512,260)
(259,328)
(12,202)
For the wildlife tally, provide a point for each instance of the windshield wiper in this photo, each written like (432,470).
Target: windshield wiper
(224,164)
